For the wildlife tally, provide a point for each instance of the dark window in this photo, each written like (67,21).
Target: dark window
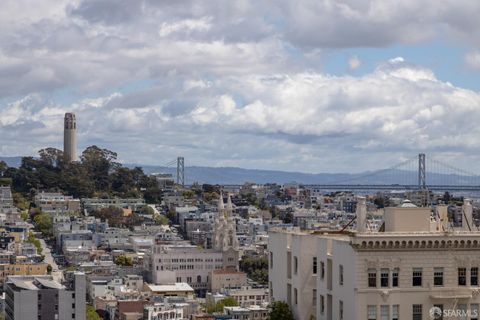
(322,270)
(314,265)
(395,277)
(474,276)
(417,312)
(462,276)
(384,278)
(438,276)
(340,275)
(417,277)
(372,278)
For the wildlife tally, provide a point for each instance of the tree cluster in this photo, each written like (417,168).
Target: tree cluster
(96,174)
(91,313)
(31,238)
(256,268)
(44,224)
(124,261)
(212,307)
(280,310)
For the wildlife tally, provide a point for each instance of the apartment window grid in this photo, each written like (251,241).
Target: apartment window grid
(462,276)
(384,273)
(314,297)
(372,278)
(372,312)
(384,312)
(340,275)
(417,277)
(438,277)
(417,312)
(474,276)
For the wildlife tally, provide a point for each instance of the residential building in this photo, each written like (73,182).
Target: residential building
(22,269)
(179,289)
(93,204)
(395,273)
(247,296)
(41,297)
(55,203)
(248,313)
(161,311)
(227,279)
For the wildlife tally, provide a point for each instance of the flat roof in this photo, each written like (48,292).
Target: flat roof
(179,286)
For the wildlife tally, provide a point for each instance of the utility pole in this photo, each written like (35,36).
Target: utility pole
(422,177)
(181,171)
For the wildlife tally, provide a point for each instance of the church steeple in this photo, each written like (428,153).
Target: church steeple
(225,235)
(225,226)
(229,206)
(221,205)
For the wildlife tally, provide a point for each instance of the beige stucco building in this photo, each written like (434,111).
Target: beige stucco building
(418,262)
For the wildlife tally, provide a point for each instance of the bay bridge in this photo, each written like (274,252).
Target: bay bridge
(418,173)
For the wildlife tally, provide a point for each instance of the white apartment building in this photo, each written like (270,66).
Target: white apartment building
(184,263)
(417,263)
(163,310)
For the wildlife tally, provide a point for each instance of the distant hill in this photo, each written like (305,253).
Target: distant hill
(12,161)
(233,175)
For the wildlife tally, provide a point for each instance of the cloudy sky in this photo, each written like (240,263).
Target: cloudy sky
(310,85)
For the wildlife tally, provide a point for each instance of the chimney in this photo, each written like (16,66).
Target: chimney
(361,214)
(467,216)
(442,217)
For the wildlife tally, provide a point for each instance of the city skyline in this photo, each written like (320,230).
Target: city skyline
(312,87)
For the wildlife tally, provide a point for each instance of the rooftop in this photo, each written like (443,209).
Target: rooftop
(34,282)
(179,286)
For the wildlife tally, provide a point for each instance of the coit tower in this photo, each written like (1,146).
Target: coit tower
(70,137)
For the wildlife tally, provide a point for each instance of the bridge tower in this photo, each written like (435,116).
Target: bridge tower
(422,176)
(181,171)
